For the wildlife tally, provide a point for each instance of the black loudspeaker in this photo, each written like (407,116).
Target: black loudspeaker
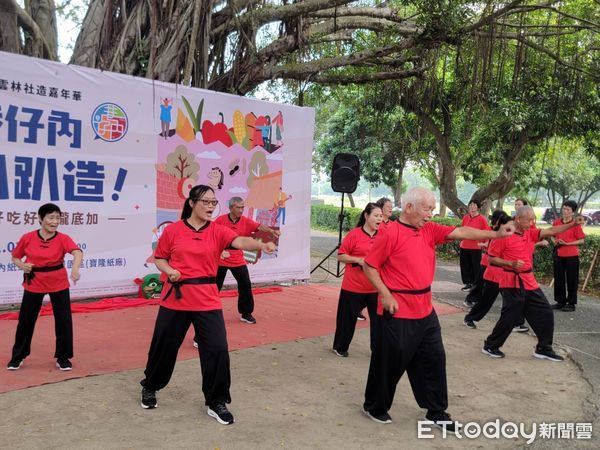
(345,173)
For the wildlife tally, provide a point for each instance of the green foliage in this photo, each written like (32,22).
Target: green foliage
(195,118)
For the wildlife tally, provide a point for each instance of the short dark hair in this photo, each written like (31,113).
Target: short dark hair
(571,204)
(499,217)
(524,201)
(477,202)
(382,201)
(46,209)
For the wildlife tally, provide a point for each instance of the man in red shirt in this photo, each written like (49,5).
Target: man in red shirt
(566,260)
(408,337)
(234,259)
(470,250)
(521,294)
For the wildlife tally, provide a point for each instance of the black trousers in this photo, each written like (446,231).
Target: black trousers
(566,269)
(63,324)
(349,305)
(517,303)
(414,346)
(470,260)
(489,293)
(242,276)
(476,291)
(169,332)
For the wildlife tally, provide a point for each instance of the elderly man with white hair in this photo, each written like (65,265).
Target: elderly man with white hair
(401,267)
(521,294)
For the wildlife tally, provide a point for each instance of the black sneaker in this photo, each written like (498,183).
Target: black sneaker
(220,413)
(379,418)
(340,353)
(248,318)
(14,364)
(548,354)
(442,420)
(521,328)
(466,287)
(470,324)
(64,364)
(195,343)
(558,306)
(568,308)
(149,399)
(493,352)
(361,316)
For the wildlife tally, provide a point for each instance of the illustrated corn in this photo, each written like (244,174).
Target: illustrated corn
(239,126)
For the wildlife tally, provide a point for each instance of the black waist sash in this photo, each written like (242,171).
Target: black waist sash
(28,277)
(518,277)
(412,291)
(177,285)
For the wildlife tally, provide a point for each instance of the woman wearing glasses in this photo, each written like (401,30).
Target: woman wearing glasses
(187,254)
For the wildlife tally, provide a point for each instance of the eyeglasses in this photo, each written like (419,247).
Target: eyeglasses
(209,202)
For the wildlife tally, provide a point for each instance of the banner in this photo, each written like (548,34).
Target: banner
(119,155)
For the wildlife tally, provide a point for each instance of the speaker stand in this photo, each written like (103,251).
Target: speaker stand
(338,273)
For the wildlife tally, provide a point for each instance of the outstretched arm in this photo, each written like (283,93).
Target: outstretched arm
(246,243)
(475,234)
(557,229)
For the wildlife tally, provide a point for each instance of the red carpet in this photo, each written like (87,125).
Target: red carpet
(112,304)
(118,340)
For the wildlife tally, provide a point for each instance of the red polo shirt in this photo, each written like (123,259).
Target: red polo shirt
(493,273)
(194,253)
(518,246)
(478,222)
(385,225)
(572,234)
(45,253)
(405,259)
(244,226)
(356,243)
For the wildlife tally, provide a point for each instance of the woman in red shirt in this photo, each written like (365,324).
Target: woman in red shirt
(566,260)
(44,273)
(491,274)
(187,254)
(357,292)
(470,251)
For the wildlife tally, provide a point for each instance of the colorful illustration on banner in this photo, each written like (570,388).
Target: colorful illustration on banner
(150,286)
(165,117)
(109,122)
(215,178)
(237,155)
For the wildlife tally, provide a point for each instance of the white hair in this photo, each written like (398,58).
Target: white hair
(416,195)
(524,210)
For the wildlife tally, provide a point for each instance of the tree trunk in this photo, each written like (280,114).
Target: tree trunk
(500,202)
(43,13)
(397,189)
(351,198)
(9,28)
(442,209)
